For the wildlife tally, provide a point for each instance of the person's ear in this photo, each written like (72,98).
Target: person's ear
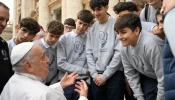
(17,28)
(106,7)
(28,68)
(137,31)
(46,32)
(76,20)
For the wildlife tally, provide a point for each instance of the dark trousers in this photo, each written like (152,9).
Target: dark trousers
(112,90)
(70,94)
(149,87)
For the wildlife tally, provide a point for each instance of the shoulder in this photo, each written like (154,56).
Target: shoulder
(38,41)
(151,41)
(64,37)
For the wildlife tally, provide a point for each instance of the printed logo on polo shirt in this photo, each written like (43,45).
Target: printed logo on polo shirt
(138,62)
(103,40)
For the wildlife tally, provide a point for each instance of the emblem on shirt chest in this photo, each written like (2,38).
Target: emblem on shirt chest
(103,36)
(138,62)
(79,48)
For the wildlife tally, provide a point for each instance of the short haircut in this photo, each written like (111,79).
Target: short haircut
(128,20)
(85,16)
(3,5)
(31,24)
(98,3)
(55,27)
(122,6)
(69,21)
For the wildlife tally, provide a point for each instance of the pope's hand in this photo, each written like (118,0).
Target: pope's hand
(68,80)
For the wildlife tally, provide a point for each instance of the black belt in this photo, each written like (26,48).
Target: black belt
(82,79)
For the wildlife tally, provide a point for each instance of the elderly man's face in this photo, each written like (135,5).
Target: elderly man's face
(4,18)
(40,62)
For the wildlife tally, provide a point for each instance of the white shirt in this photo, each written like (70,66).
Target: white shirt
(23,86)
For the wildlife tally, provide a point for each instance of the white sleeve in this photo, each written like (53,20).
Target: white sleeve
(82,98)
(57,86)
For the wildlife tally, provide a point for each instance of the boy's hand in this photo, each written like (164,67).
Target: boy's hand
(99,81)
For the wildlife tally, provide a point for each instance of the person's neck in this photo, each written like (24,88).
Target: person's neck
(136,41)
(158,5)
(16,41)
(76,32)
(104,20)
(47,41)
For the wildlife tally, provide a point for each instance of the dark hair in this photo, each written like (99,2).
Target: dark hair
(85,16)
(98,3)
(31,24)
(69,21)
(158,13)
(128,20)
(122,6)
(140,3)
(3,5)
(55,27)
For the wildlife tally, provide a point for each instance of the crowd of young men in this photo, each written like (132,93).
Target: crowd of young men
(128,56)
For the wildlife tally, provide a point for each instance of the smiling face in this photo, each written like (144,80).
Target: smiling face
(100,12)
(4,18)
(154,3)
(128,37)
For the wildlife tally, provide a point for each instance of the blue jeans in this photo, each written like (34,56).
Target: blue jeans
(113,89)
(149,87)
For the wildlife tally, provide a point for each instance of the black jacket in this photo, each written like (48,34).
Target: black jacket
(5,64)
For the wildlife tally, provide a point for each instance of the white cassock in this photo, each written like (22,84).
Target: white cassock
(23,86)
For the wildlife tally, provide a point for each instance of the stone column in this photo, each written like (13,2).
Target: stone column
(63,10)
(14,17)
(74,6)
(43,13)
(112,3)
(54,16)
(25,8)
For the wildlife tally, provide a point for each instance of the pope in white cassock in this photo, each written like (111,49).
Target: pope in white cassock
(31,65)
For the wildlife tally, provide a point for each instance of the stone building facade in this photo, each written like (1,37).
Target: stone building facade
(46,10)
